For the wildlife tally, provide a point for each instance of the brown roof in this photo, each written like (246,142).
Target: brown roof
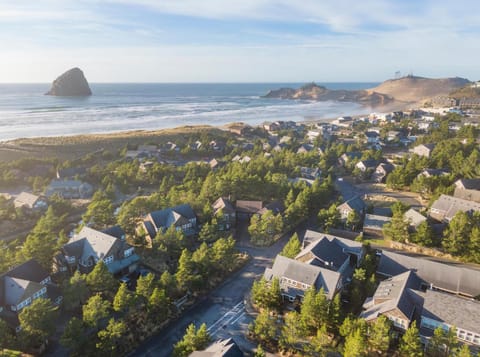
(249,206)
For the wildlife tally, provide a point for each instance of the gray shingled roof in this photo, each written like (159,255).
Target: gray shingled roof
(25,199)
(373,221)
(163,217)
(30,270)
(355,203)
(449,206)
(347,244)
(469,184)
(391,294)
(455,279)
(324,253)
(453,310)
(96,244)
(223,204)
(414,218)
(303,273)
(221,348)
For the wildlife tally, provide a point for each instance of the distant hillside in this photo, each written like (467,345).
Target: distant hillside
(466,92)
(418,89)
(313,91)
(397,93)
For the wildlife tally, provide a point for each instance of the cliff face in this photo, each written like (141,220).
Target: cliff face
(315,92)
(70,84)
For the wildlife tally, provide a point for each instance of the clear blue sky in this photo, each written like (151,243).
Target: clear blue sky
(238,40)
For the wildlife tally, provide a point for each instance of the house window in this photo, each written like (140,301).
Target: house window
(128,252)
(108,259)
(70,260)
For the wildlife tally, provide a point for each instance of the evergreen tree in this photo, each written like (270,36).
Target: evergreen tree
(292,248)
(37,321)
(193,340)
(158,304)
(321,341)
(410,344)
(123,299)
(260,352)
(145,286)
(424,235)
(397,228)
(185,274)
(457,234)
(379,335)
(95,310)
(355,344)
(314,309)
(74,337)
(264,327)
(100,279)
(75,291)
(111,339)
(99,214)
(353,220)
(464,351)
(291,332)
(6,336)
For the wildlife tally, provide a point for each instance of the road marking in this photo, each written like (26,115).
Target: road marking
(238,318)
(226,319)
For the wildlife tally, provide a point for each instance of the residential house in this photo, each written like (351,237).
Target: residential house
(353,204)
(348,157)
(182,217)
(296,180)
(311,173)
(372,137)
(330,252)
(228,219)
(305,148)
(196,145)
(414,219)
(246,209)
(468,189)
(216,146)
(423,149)
(90,246)
(365,165)
(145,166)
(394,135)
(297,277)
(397,298)
(220,348)
(382,171)
(455,279)
(450,311)
(71,173)
(433,173)
(373,224)
(276,207)
(445,207)
(29,201)
(69,189)
(313,134)
(20,286)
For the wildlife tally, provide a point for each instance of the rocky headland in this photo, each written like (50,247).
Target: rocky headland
(407,90)
(72,83)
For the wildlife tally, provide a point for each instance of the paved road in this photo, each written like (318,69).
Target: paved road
(223,311)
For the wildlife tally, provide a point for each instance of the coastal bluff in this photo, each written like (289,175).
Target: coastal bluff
(313,91)
(407,90)
(72,83)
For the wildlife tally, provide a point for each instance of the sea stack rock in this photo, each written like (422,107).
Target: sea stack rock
(70,84)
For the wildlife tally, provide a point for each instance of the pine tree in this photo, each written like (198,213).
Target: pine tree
(424,235)
(100,279)
(264,327)
(292,332)
(37,321)
(123,299)
(410,345)
(74,337)
(112,337)
(292,248)
(145,286)
(95,310)
(464,351)
(75,291)
(185,274)
(355,344)
(379,335)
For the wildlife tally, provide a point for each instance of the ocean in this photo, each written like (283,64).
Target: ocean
(26,112)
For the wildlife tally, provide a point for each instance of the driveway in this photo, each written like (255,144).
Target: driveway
(223,310)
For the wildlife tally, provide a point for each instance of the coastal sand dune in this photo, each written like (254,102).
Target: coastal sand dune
(412,89)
